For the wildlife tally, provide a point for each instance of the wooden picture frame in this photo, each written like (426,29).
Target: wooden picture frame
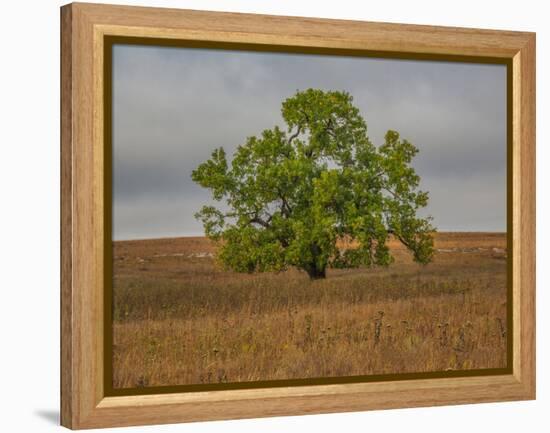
(85,180)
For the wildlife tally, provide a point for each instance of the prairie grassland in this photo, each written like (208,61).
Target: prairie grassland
(181,319)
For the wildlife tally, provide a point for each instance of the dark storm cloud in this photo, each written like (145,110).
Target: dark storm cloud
(172,107)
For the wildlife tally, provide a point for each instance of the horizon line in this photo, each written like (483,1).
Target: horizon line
(202,235)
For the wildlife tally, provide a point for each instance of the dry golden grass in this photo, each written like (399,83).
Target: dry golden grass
(180,319)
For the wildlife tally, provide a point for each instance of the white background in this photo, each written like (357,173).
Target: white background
(29,245)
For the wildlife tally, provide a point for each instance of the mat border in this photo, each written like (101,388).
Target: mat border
(87,33)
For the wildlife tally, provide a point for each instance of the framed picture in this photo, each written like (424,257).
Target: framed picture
(266,215)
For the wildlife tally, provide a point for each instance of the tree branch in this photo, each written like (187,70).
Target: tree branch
(329,128)
(286,210)
(264,223)
(401,239)
(261,222)
(296,134)
(394,194)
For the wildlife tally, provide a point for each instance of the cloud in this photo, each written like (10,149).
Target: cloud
(173,106)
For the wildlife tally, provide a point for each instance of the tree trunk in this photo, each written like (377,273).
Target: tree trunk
(313,269)
(315,273)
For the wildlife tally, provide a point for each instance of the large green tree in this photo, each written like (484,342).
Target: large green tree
(316,196)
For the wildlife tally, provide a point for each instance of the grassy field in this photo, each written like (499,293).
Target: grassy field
(180,319)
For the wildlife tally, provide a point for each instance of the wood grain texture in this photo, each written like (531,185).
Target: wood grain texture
(295,31)
(524,131)
(67,394)
(84,27)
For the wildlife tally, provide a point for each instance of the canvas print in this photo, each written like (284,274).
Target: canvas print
(287,216)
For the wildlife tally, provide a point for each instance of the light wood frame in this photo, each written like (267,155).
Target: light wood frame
(83,28)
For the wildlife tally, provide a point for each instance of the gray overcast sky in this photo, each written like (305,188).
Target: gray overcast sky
(173,106)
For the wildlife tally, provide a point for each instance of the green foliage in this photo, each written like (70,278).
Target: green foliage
(294,195)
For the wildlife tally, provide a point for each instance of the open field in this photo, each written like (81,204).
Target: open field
(181,319)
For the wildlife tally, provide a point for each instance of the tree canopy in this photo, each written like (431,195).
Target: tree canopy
(318,195)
